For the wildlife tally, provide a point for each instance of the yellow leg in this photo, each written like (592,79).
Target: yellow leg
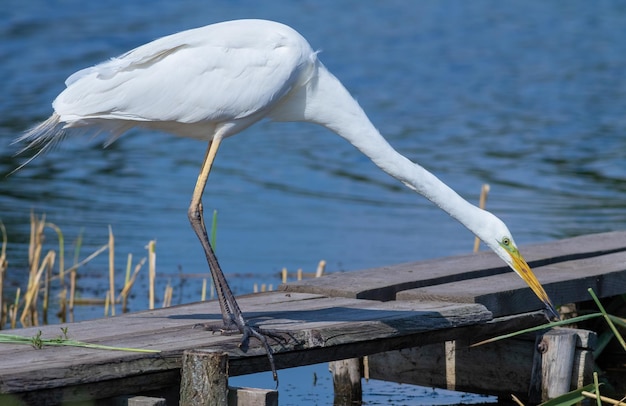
(231,313)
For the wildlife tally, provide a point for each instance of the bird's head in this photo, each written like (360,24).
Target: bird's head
(498,237)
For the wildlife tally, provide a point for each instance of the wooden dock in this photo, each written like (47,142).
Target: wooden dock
(343,315)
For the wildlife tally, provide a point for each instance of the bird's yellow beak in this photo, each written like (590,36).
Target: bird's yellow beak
(524,271)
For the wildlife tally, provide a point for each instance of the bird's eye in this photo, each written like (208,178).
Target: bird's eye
(506,241)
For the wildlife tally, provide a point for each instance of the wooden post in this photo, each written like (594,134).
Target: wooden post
(252,396)
(204,379)
(347,381)
(552,365)
(134,401)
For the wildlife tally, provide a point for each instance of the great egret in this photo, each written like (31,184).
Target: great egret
(212,82)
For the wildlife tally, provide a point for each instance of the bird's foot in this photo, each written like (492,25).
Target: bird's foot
(248,331)
(262,336)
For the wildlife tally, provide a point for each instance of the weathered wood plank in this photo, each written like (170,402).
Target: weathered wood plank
(385,282)
(333,328)
(169,375)
(565,282)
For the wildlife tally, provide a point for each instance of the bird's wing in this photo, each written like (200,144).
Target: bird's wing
(194,76)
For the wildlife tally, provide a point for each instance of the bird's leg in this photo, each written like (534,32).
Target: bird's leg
(231,313)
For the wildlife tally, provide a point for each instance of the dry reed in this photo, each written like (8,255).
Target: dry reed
(300,274)
(167,296)
(43,278)
(129,281)
(203,292)
(14,308)
(77,246)
(61,277)
(111,295)
(151,271)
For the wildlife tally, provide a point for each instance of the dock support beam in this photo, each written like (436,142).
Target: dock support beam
(553,365)
(204,382)
(204,379)
(347,381)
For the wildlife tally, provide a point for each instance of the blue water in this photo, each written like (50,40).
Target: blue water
(529,97)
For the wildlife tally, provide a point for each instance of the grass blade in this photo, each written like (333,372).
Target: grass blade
(570,398)
(608,319)
(39,342)
(539,328)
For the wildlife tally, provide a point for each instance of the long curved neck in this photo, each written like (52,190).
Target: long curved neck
(329,104)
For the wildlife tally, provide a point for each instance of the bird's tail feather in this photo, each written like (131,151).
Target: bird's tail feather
(46,135)
(43,137)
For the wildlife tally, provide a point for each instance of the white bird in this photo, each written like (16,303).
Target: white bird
(212,82)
